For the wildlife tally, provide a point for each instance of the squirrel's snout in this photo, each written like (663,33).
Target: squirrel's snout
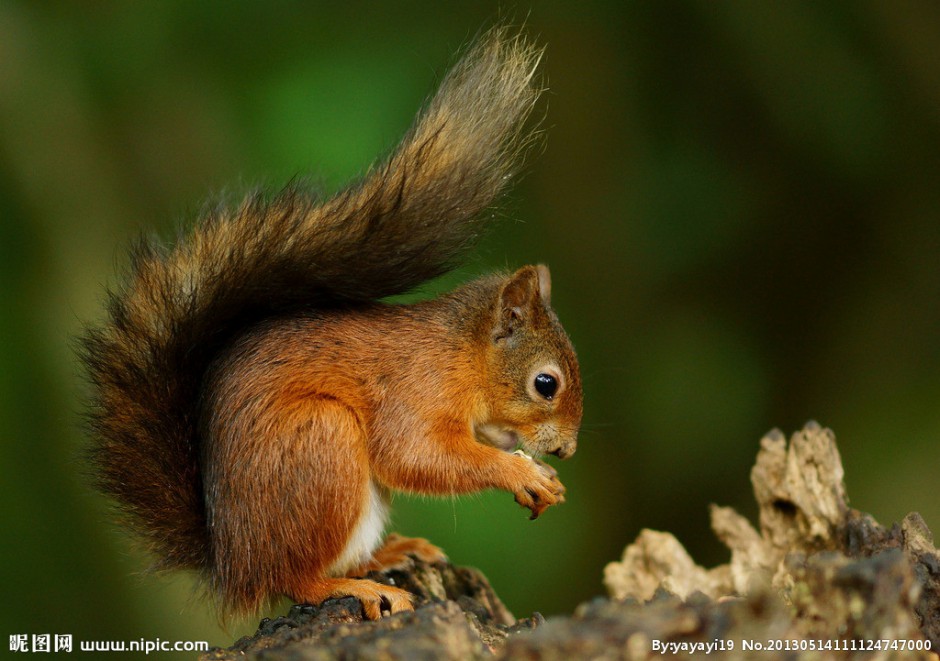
(564,451)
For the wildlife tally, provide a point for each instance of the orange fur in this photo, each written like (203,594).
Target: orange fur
(316,406)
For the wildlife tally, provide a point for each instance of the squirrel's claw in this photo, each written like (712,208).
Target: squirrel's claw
(542,488)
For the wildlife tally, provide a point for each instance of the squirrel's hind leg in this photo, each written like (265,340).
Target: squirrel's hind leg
(295,509)
(374,597)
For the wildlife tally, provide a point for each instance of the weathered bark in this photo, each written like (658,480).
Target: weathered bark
(457,616)
(817,572)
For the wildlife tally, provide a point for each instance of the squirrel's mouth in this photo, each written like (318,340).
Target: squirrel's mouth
(499,437)
(509,440)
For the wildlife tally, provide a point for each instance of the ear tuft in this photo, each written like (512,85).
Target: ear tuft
(517,299)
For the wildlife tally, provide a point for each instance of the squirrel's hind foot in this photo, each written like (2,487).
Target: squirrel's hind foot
(376,599)
(397,553)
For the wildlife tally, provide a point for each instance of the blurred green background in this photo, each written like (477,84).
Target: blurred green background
(740,203)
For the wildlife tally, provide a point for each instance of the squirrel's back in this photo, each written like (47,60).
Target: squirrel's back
(408,220)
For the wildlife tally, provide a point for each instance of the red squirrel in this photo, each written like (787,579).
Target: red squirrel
(254,402)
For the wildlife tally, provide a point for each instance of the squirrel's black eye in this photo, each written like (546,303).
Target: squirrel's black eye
(546,385)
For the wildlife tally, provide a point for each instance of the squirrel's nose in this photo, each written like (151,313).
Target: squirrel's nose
(564,451)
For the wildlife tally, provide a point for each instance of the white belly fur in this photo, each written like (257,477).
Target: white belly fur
(366,535)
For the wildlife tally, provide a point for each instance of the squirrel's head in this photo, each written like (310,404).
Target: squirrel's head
(532,376)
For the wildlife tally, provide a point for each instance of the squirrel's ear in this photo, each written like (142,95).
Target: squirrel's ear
(517,297)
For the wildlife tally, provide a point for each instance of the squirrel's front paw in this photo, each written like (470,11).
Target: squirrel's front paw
(541,487)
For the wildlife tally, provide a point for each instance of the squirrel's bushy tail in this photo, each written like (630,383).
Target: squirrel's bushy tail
(407,221)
